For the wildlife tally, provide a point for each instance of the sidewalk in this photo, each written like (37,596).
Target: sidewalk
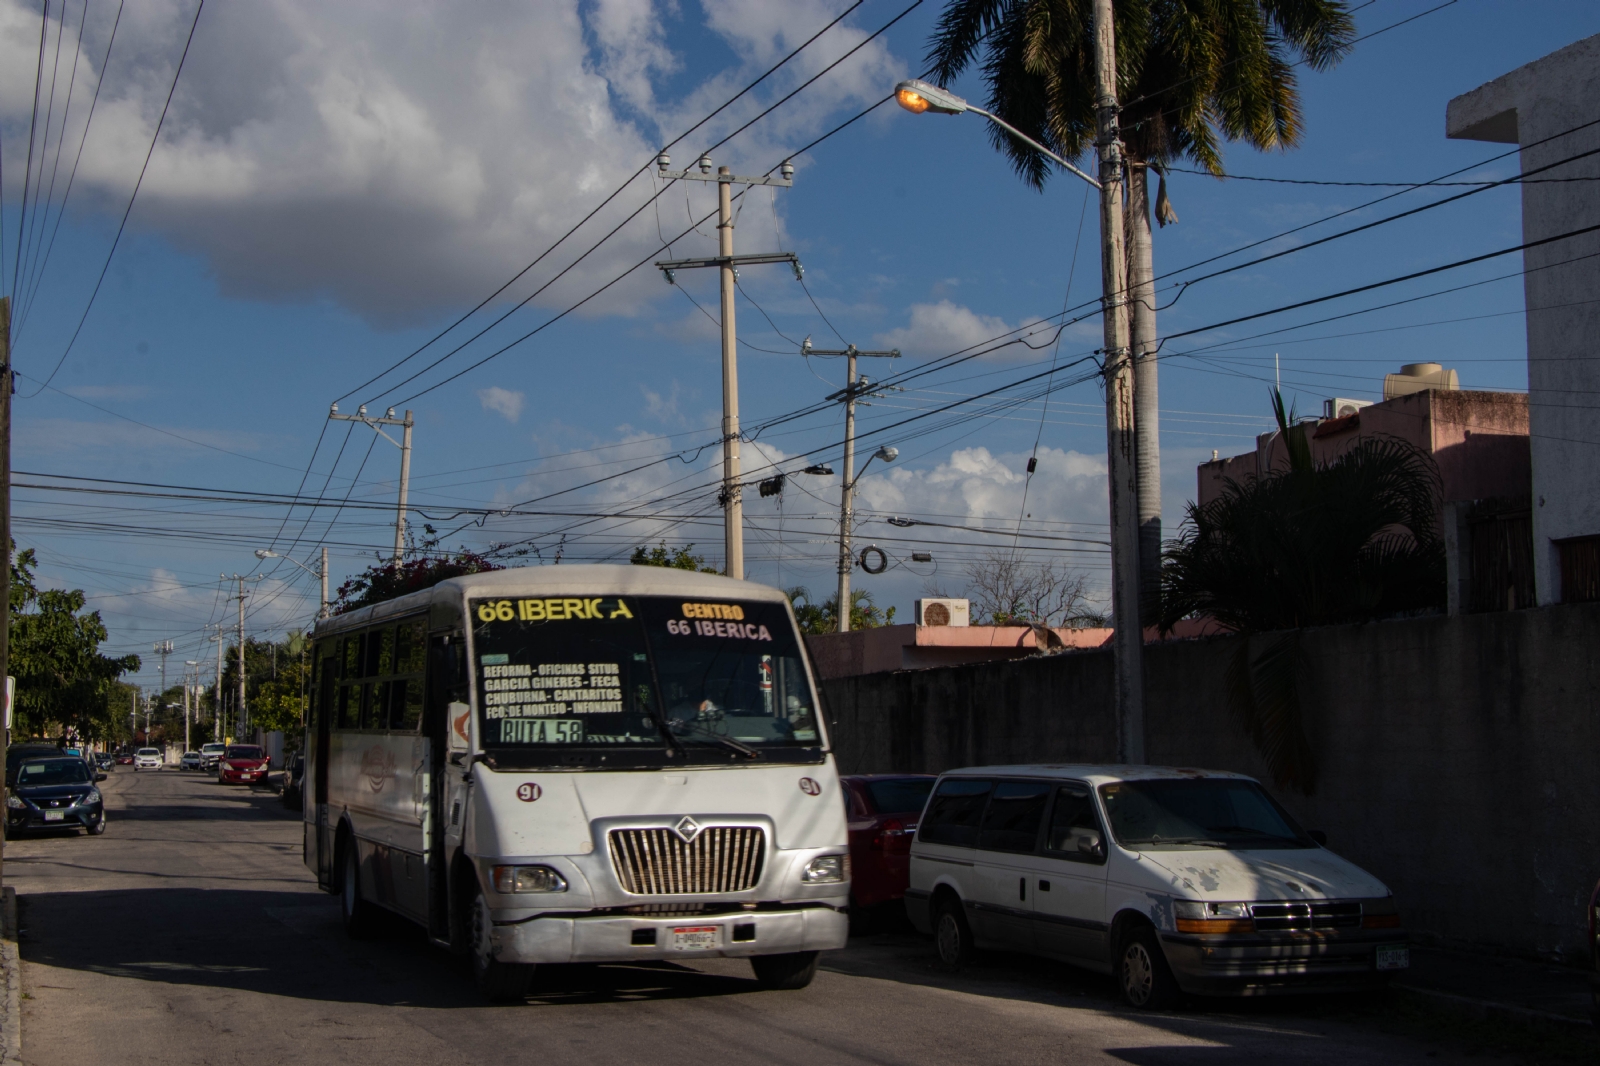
(1508,989)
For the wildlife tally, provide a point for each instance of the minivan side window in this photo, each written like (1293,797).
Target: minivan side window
(954,812)
(1075,833)
(1011,822)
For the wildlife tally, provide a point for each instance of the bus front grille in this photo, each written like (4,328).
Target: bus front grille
(658,862)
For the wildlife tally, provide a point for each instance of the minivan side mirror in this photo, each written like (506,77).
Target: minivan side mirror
(1318,835)
(1089,843)
(100,776)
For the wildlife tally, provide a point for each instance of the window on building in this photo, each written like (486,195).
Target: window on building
(1580,569)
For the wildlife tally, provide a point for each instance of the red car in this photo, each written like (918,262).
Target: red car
(242,764)
(883,810)
(125,758)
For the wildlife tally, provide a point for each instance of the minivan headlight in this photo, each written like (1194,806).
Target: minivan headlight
(826,869)
(511,879)
(1194,916)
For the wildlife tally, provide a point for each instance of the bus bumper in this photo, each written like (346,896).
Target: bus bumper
(614,938)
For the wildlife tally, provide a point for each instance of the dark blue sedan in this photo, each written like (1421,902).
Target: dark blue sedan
(57,793)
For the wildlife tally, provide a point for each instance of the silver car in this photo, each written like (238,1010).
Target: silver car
(190,760)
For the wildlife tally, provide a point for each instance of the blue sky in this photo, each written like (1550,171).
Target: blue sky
(332,189)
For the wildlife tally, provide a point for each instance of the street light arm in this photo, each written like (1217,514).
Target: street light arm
(1035,145)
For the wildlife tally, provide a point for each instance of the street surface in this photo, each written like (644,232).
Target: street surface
(191,933)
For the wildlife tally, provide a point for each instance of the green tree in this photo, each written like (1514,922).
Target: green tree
(824,617)
(276,675)
(671,558)
(422,567)
(1190,73)
(1349,540)
(62,679)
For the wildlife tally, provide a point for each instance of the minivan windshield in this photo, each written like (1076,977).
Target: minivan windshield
(641,673)
(1214,812)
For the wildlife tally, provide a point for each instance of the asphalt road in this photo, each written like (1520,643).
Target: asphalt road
(191,933)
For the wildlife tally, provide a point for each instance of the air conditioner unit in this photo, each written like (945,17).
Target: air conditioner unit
(942,612)
(1339,408)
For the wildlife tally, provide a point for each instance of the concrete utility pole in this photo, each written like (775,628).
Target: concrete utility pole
(5,523)
(194,666)
(404,444)
(854,388)
(216,713)
(241,716)
(732,497)
(1118,373)
(323,572)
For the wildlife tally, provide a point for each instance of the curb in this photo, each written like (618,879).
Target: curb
(11,974)
(1507,1012)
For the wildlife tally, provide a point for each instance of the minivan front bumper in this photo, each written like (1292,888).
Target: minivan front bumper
(1278,964)
(558,938)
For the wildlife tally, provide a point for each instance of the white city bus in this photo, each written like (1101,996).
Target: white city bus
(579,764)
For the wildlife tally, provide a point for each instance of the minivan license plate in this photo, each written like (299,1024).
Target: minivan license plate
(694,938)
(55,816)
(1394,958)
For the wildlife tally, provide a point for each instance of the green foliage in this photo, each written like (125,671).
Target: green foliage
(1190,72)
(62,679)
(1351,540)
(276,676)
(671,558)
(424,568)
(824,617)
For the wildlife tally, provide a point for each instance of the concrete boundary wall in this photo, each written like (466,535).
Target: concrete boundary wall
(1459,756)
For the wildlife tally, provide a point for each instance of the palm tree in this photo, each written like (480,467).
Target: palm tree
(1350,540)
(1190,74)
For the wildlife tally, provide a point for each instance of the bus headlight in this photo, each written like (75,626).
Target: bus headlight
(826,869)
(528,879)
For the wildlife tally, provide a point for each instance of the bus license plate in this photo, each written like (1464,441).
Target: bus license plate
(694,938)
(1394,958)
(55,816)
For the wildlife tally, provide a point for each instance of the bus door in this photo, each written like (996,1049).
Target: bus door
(327,666)
(446,683)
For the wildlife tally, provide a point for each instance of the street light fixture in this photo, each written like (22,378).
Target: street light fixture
(918,96)
(321,574)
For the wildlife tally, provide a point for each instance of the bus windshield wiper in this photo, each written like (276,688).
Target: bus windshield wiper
(728,742)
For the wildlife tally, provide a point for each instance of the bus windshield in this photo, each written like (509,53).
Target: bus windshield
(642,672)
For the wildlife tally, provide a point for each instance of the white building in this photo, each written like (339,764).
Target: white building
(1551,109)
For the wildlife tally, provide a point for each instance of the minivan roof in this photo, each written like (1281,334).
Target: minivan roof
(1094,773)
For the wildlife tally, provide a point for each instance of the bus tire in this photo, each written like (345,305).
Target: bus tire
(498,982)
(360,916)
(785,972)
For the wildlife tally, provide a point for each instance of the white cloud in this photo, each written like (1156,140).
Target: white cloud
(405,156)
(503,402)
(942,328)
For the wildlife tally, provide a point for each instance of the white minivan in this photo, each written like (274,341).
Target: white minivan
(1203,884)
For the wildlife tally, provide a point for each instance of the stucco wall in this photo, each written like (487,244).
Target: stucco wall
(1457,754)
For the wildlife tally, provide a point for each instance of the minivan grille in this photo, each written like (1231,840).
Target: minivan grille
(1305,917)
(657,862)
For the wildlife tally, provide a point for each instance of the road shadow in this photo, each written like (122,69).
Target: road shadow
(292,944)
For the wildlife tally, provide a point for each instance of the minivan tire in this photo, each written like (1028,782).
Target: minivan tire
(785,972)
(1143,976)
(951,933)
(496,981)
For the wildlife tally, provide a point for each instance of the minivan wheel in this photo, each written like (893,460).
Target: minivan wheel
(1142,973)
(360,916)
(785,972)
(499,982)
(951,933)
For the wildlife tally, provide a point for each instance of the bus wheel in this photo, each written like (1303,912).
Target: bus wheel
(499,982)
(360,917)
(785,972)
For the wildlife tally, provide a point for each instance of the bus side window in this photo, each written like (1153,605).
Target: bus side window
(447,676)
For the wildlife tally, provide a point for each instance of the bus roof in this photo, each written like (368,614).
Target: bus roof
(587,579)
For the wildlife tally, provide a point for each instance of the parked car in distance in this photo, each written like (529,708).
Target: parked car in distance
(883,810)
(211,754)
(124,758)
(242,764)
(1172,880)
(56,793)
(31,749)
(104,760)
(293,782)
(189,760)
(147,759)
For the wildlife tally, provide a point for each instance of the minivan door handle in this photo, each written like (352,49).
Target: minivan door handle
(1022,888)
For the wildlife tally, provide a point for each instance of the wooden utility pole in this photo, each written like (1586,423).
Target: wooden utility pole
(1118,374)
(5,529)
